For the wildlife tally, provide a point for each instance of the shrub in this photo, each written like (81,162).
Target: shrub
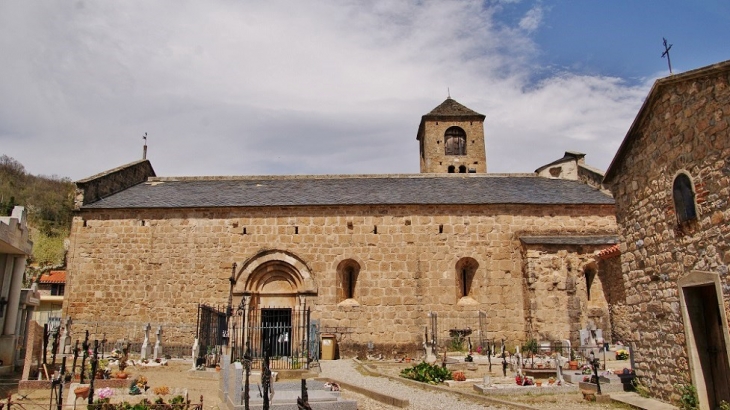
(640,388)
(426,373)
(688,399)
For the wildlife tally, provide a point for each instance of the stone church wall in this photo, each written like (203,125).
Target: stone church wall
(558,300)
(130,267)
(685,130)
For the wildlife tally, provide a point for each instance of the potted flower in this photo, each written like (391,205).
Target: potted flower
(573,364)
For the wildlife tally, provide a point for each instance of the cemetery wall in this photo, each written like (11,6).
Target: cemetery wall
(612,283)
(130,267)
(683,127)
(559,305)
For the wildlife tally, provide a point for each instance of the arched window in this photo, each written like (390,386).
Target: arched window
(455,141)
(451,169)
(347,273)
(684,199)
(466,269)
(462,169)
(590,274)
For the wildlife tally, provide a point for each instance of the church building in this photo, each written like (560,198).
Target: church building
(381,261)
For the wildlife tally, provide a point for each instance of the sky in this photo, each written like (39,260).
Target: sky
(225,87)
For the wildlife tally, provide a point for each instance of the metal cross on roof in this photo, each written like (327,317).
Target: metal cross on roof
(666,53)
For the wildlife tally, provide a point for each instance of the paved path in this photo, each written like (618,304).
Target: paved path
(345,371)
(641,402)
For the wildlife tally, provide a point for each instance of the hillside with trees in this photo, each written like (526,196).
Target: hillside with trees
(49,202)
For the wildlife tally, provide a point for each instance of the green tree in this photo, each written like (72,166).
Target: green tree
(49,203)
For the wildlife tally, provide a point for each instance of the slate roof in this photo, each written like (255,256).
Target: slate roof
(451,108)
(420,189)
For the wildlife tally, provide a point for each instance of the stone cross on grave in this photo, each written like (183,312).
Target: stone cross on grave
(559,361)
(144,354)
(66,338)
(158,344)
(196,352)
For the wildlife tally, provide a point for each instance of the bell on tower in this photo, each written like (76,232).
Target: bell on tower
(451,140)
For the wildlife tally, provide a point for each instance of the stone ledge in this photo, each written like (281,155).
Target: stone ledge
(383,398)
(533,390)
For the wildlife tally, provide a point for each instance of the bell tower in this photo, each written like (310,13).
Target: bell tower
(451,140)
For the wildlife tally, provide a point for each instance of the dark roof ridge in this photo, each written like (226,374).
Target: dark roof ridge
(610,173)
(111,171)
(451,107)
(334,177)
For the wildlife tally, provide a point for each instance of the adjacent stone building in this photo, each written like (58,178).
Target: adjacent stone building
(15,248)
(671,182)
(373,255)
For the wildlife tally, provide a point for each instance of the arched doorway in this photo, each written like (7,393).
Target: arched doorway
(271,291)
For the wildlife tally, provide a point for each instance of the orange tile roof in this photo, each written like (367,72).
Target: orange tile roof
(54,276)
(610,252)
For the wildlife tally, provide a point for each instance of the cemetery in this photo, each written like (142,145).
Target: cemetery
(74,370)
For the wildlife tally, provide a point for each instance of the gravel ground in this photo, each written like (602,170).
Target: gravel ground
(427,399)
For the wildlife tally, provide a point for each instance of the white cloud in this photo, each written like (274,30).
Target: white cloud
(532,19)
(283,87)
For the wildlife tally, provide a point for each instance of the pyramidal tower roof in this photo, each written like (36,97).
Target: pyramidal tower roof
(451,108)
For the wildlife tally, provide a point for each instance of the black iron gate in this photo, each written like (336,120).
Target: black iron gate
(457,331)
(212,332)
(283,333)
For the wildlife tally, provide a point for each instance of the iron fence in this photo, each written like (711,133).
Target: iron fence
(458,331)
(282,333)
(212,334)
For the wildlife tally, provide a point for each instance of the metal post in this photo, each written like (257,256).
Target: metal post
(84,346)
(94,364)
(266,378)
(76,356)
(54,347)
(45,344)
(60,384)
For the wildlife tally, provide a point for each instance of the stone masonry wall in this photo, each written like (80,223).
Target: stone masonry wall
(435,159)
(130,267)
(609,272)
(558,302)
(685,130)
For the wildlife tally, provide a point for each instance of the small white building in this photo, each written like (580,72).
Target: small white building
(15,248)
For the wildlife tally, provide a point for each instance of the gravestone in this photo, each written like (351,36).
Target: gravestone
(196,353)
(145,353)
(66,338)
(559,361)
(158,344)
(588,339)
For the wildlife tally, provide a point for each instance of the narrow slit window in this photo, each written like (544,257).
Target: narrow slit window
(684,199)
